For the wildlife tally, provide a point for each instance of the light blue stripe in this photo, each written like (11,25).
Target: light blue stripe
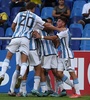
(30,44)
(43,84)
(64,78)
(75,81)
(36,77)
(24,64)
(18,27)
(6,60)
(63,50)
(46,42)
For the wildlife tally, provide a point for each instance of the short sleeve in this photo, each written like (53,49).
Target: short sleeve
(84,9)
(16,18)
(39,20)
(62,34)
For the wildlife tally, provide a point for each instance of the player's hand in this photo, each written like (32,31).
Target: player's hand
(36,35)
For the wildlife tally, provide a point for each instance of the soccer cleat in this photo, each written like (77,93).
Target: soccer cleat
(45,94)
(54,94)
(11,93)
(1,79)
(18,82)
(35,92)
(75,96)
(63,93)
(50,92)
(20,94)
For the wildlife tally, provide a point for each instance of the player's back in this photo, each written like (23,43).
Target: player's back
(47,45)
(25,23)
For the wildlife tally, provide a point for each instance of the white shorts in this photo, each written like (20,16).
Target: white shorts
(34,58)
(65,64)
(21,44)
(49,62)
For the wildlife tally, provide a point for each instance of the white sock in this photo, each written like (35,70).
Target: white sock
(5,65)
(36,82)
(76,86)
(67,80)
(23,69)
(60,84)
(14,79)
(43,86)
(23,87)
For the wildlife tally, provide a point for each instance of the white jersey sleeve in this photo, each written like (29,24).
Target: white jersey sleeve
(39,20)
(62,34)
(84,10)
(38,26)
(16,18)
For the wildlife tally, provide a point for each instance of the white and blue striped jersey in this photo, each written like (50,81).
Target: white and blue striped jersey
(34,42)
(64,37)
(47,46)
(25,23)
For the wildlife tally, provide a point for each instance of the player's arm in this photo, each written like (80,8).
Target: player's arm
(56,43)
(54,37)
(13,26)
(15,22)
(51,27)
(48,25)
(38,36)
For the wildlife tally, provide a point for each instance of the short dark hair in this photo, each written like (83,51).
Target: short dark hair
(22,9)
(50,18)
(64,19)
(45,20)
(30,5)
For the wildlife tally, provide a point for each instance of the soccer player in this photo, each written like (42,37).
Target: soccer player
(22,26)
(22,90)
(66,60)
(49,60)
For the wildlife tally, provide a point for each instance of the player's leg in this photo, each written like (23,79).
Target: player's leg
(15,74)
(43,82)
(5,66)
(24,49)
(59,83)
(46,61)
(61,75)
(75,81)
(12,47)
(37,77)
(76,85)
(35,61)
(13,82)
(22,90)
(49,86)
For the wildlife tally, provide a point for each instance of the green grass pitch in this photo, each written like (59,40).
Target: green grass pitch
(6,97)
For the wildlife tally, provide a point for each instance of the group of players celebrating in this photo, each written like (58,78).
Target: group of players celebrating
(36,45)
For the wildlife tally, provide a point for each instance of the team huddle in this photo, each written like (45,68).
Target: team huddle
(36,45)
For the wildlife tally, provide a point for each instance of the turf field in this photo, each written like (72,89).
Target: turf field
(6,97)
